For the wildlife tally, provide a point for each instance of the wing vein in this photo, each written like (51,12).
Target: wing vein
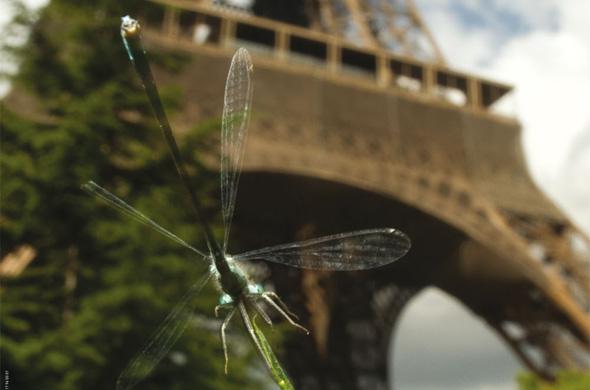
(234,126)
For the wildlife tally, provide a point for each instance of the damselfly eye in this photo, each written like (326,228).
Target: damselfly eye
(255,288)
(225,299)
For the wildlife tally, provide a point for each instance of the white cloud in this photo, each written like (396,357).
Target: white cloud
(548,101)
(551,72)
(575,15)
(6,14)
(241,3)
(460,46)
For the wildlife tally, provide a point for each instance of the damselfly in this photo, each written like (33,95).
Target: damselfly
(358,250)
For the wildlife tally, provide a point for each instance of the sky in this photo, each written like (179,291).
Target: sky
(542,47)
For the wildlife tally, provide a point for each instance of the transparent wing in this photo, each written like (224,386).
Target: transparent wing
(162,340)
(119,204)
(234,126)
(362,249)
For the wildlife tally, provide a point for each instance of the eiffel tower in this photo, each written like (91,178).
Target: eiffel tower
(358,122)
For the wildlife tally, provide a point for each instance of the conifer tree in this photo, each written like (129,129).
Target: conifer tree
(100,283)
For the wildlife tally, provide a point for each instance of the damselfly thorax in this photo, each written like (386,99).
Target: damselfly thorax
(231,280)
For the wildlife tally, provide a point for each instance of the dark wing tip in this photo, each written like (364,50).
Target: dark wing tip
(242,55)
(402,239)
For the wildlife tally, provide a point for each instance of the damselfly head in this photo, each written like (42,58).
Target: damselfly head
(129,26)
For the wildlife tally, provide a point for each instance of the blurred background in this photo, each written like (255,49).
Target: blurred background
(461,123)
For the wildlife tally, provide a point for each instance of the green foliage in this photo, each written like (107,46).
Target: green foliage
(566,380)
(100,283)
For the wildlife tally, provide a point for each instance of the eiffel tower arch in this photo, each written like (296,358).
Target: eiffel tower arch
(358,122)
